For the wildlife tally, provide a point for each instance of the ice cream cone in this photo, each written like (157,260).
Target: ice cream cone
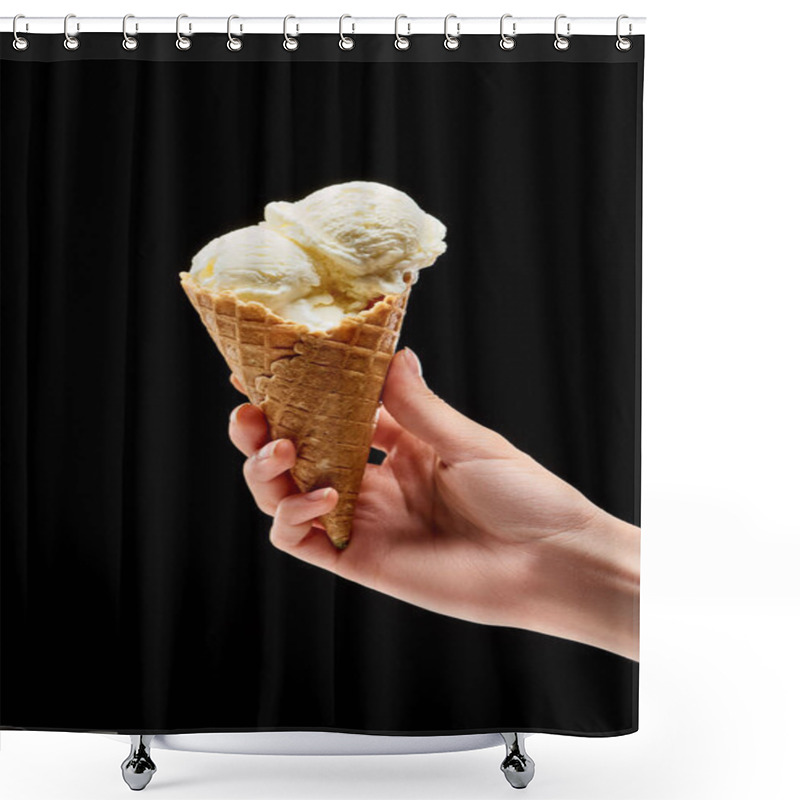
(320,389)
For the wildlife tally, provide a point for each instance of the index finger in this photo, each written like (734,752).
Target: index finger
(248,429)
(387,431)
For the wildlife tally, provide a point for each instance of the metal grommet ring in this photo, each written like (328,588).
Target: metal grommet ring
(70,42)
(346,42)
(623,44)
(234,44)
(507,42)
(289,42)
(561,42)
(452,42)
(182,42)
(129,42)
(401,42)
(20,42)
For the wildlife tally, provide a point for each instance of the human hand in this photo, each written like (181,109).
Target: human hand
(458,521)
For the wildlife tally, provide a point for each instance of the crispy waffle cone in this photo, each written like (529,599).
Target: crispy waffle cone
(320,389)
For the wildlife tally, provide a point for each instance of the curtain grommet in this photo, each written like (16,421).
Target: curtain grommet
(182,42)
(71,42)
(20,43)
(452,42)
(346,42)
(401,42)
(561,43)
(623,44)
(129,42)
(507,42)
(234,44)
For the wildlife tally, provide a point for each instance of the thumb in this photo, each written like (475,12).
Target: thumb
(453,436)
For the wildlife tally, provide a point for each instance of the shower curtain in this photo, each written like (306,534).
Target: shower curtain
(140,590)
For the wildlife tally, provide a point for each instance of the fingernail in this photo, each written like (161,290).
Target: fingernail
(414,362)
(268,449)
(235,411)
(319,494)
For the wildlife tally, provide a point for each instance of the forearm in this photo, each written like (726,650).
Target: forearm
(587,587)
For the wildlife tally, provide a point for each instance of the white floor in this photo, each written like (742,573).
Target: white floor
(720,710)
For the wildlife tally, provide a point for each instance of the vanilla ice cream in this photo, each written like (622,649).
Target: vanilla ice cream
(364,235)
(325,256)
(256,264)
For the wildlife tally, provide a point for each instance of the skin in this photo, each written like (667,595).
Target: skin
(458,521)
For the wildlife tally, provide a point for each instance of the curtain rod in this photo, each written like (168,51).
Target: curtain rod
(596,26)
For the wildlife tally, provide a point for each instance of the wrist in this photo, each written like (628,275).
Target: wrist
(590,579)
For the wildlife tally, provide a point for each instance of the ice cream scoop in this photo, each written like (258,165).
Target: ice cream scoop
(363,235)
(257,264)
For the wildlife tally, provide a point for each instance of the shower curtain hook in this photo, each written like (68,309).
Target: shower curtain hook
(561,42)
(290,43)
(182,42)
(346,42)
(20,42)
(71,42)
(234,44)
(623,44)
(451,42)
(401,42)
(507,42)
(129,42)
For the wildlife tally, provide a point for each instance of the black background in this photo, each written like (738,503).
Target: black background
(139,590)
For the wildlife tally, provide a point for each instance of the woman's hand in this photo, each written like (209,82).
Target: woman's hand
(458,521)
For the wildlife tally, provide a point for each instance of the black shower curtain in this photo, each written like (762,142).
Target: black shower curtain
(140,592)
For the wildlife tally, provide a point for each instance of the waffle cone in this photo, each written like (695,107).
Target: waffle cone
(321,389)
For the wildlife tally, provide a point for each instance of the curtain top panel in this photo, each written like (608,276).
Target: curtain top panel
(322,47)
